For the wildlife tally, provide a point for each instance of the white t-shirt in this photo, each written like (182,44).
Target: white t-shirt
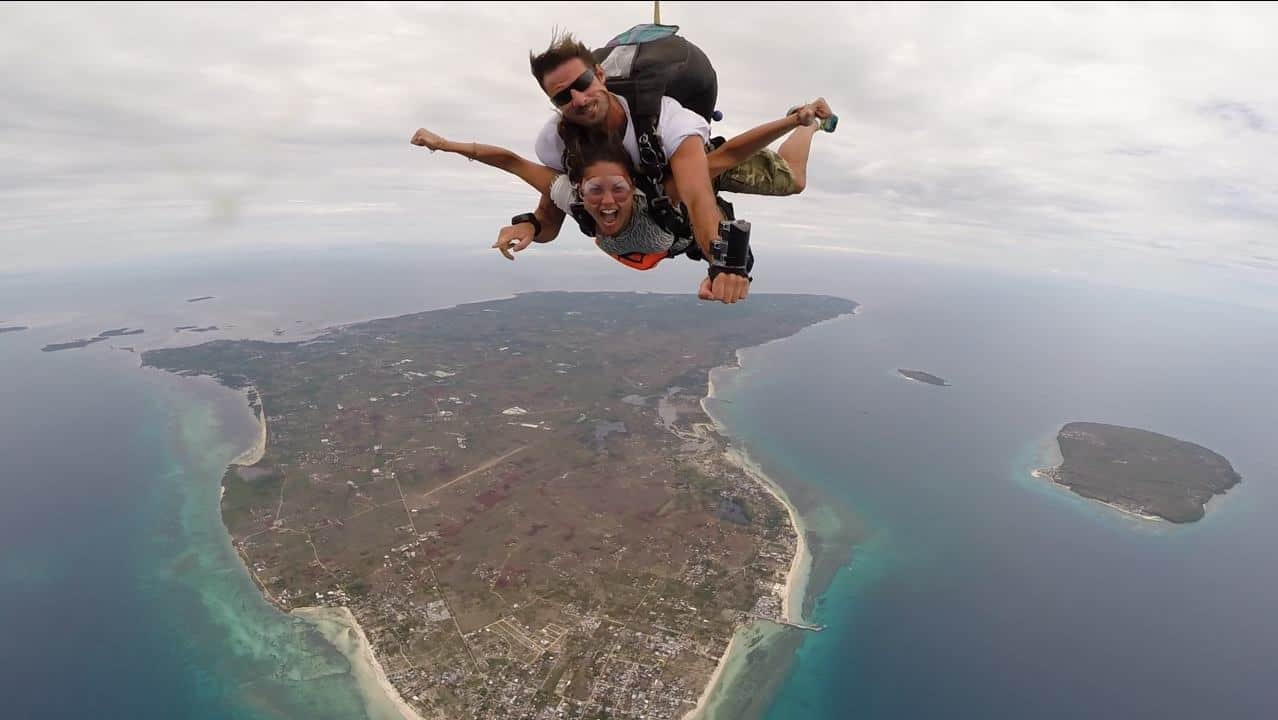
(675,124)
(561,192)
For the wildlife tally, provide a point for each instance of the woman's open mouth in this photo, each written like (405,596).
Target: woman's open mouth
(609,218)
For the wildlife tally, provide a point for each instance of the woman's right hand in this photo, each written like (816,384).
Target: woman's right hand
(514,237)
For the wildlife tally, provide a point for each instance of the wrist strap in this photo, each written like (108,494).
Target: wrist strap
(716,270)
(528,218)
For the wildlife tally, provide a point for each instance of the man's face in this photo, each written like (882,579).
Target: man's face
(578,92)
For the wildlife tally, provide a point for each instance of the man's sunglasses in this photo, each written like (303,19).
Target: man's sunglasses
(581,84)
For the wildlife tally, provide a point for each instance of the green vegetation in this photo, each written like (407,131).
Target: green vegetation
(1141,471)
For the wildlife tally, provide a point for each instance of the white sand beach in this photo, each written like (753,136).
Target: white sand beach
(340,627)
(717,701)
(1051,473)
(796,579)
(254,455)
(337,624)
(708,690)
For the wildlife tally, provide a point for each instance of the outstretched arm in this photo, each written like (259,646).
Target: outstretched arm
(689,167)
(739,149)
(538,176)
(692,178)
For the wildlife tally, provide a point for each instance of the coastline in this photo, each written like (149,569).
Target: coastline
(708,690)
(254,455)
(796,578)
(1051,473)
(339,626)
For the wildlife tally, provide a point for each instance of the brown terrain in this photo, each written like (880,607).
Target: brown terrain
(521,501)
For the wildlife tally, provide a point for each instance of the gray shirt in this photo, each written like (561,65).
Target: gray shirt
(642,234)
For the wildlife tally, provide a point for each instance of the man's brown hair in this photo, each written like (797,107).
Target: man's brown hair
(563,47)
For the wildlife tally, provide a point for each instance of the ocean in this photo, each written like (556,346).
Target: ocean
(949,581)
(975,590)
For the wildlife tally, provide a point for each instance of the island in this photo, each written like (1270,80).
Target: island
(1140,472)
(923,377)
(201,298)
(12,328)
(195,328)
(104,335)
(521,504)
(71,345)
(118,332)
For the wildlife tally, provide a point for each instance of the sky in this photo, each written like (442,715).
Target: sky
(1133,141)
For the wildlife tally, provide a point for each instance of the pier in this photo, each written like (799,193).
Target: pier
(790,623)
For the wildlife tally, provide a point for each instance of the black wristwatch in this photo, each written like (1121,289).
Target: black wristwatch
(528,218)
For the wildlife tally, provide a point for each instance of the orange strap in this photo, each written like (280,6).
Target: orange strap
(640,261)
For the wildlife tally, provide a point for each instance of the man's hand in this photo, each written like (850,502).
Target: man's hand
(816,110)
(514,237)
(726,288)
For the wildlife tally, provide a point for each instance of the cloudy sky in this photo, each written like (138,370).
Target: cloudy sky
(1119,139)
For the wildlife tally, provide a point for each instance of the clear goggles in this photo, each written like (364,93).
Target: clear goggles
(596,187)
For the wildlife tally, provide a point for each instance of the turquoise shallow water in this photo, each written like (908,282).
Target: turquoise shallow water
(977,591)
(972,590)
(120,593)
(123,596)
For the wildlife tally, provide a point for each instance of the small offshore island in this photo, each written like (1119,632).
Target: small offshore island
(521,506)
(104,335)
(195,328)
(924,377)
(1140,472)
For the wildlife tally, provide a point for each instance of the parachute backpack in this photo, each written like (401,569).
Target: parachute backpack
(648,61)
(642,65)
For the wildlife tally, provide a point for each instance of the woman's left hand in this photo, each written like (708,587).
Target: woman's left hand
(427,139)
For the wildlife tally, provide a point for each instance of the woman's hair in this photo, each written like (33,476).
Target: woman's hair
(605,152)
(584,147)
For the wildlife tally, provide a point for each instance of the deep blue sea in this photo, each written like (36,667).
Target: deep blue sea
(973,591)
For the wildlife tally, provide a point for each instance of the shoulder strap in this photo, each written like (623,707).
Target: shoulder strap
(652,175)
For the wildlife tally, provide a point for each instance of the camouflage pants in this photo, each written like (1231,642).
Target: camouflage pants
(764,173)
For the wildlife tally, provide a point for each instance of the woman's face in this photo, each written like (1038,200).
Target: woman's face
(608,193)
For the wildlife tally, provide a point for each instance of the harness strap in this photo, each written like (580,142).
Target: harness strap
(652,164)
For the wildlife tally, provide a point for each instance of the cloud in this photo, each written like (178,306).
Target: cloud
(1237,114)
(1035,135)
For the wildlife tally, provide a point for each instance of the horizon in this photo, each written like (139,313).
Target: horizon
(1080,141)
